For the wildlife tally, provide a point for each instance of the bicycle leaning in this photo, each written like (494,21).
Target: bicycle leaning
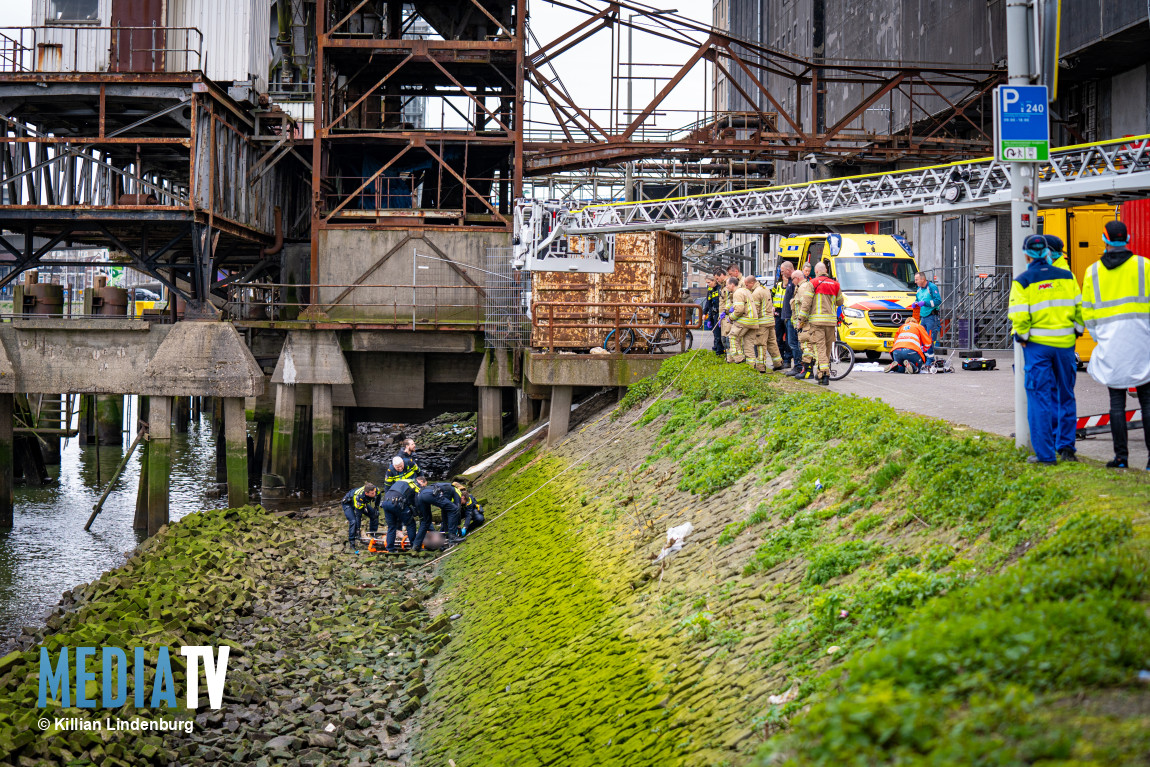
(662,341)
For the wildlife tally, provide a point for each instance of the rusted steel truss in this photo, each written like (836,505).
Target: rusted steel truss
(371,166)
(164,169)
(946,102)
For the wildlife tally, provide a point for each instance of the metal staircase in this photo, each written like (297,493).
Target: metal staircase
(570,236)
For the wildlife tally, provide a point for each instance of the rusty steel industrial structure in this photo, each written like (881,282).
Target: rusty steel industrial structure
(951,99)
(163,168)
(182,182)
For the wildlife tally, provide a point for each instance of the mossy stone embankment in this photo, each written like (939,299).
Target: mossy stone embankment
(328,648)
(861,587)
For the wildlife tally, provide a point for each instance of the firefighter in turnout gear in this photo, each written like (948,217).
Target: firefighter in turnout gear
(742,321)
(822,319)
(727,301)
(763,311)
(803,303)
(1046,316)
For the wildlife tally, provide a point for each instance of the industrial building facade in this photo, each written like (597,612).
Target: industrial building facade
(1102,91)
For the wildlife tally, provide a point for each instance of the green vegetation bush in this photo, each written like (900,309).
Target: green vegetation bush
(1084,533)
(832,560)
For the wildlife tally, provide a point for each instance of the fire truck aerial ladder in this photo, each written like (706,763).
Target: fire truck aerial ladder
(573,236)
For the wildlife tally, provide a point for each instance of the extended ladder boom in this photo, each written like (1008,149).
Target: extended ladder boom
(1109,171)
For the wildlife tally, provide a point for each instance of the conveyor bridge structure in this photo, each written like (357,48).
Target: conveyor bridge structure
(553,236)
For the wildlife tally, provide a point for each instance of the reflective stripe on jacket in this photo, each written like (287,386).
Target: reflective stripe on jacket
(1046,306)
(777,293)
(1116,307)
(913,336)
(803,303)
(762,309)
(828,297)
(359,500)
(741,314)
(410,469)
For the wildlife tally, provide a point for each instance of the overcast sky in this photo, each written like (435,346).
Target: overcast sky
(15,13)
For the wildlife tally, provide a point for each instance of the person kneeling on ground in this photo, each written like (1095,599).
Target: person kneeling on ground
(912,347)
(447,498)
(397,503)
(363,500)
(472,512)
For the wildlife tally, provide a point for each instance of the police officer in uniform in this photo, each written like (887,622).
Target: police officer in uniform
(447,498)
(397,506)
(712,305)
(356,503)
(1046,316)
(471,512)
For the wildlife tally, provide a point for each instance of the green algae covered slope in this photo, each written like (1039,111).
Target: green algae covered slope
(861,587)
(327,649)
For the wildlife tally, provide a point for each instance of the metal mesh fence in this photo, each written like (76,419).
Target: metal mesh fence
(507,324)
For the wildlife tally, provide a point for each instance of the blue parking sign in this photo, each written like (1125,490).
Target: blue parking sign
(1021,123)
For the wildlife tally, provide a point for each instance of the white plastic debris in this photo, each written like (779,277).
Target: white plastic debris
(786,697)
(330,727)
(676,537)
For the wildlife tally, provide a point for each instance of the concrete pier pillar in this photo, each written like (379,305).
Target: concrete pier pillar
(524,411)
(50,416)
(339,449)
(159,461)
(7,456)
(110,419)
(560,414)
(321,441)
(283,433)
(490,419)
(182,413)
(236,434)
(140,522)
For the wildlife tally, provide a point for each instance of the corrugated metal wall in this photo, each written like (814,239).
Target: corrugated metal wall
(235,40)
(236,36)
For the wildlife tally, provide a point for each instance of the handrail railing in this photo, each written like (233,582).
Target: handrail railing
(430,306)
(614,315)
(88,48)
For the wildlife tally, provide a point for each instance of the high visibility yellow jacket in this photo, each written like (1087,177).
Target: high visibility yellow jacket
(1061,263)
(1046,306)
(742,313)
(1116,308)
(802,303)
(777,292)
(410,469)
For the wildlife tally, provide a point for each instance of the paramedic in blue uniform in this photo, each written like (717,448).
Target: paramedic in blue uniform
(1046,316)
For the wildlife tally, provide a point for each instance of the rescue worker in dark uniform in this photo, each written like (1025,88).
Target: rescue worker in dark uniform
(363,500)
(711,307)
(471,513)
(447,498)
(409,468)
(397,505)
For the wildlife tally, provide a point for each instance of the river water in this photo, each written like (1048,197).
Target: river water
(47,551)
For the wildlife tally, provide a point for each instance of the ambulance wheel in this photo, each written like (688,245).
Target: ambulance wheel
(872,355)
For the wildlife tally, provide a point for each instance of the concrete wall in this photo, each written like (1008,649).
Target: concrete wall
(350,255)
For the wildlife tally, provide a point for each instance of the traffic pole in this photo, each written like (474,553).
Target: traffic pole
(1023,193)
